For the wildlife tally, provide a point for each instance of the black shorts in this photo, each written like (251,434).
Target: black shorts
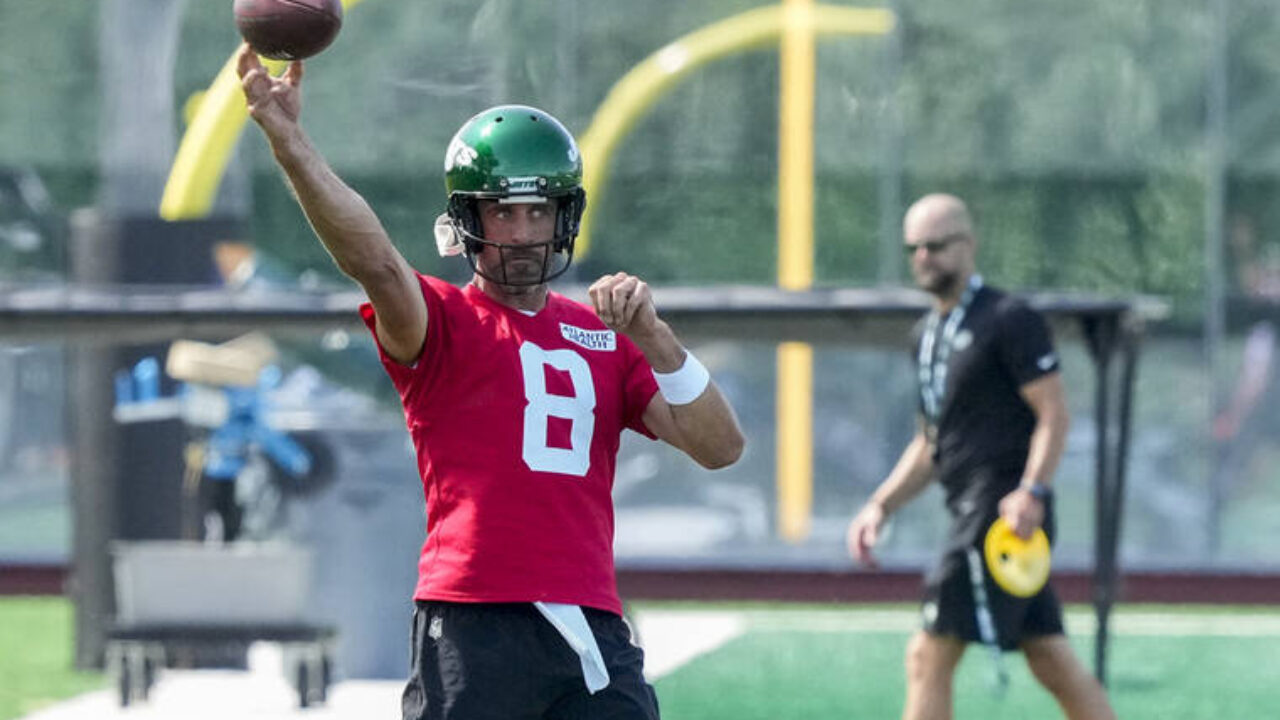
(949,608)
(505,661)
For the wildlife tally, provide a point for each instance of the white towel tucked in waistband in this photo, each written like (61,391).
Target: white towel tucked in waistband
(572,624)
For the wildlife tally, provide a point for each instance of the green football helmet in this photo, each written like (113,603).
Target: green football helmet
(514,154)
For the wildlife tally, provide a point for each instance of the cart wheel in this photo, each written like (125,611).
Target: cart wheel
(123,682)
(302,681)
(148,677)
(326,678)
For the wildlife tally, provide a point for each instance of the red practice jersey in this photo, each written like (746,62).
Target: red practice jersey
(516,420)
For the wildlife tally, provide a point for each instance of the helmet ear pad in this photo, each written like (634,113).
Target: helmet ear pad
(464,212)
(568,218)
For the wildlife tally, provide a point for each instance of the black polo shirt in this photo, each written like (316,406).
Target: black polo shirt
(983,426)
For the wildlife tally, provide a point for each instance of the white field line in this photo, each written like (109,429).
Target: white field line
(1175,625)
(672,638)
(1136,623)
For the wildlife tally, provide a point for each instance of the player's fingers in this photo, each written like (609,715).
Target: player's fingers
(863,538)
(293,75)
(249,68)
(598,290)
(1022,526)
(246,60)
(865,556)
(642,294)
(610,297)
(602,299)
(1009,517)
(855,547)
(635,298)
(256,86)
(623,288)
(856,551)
(618,284)
(1004,506)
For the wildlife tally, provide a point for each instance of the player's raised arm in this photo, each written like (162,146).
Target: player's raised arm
(341,218)
(689,411)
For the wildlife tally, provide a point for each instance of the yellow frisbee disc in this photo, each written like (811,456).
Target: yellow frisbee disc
(1020,567)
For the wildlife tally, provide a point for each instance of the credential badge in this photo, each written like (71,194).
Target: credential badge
(929,613)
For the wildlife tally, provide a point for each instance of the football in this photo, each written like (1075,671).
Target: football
(288,29)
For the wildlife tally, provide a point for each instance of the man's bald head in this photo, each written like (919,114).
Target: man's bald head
(938,234)
(935,216)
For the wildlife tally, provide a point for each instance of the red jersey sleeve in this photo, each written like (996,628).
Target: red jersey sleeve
(640,389)
(409,379)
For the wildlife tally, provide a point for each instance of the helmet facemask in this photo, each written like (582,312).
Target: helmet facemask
(557,252)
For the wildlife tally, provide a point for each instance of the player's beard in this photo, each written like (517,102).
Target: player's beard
(515,267)
(524,266)
(940,283)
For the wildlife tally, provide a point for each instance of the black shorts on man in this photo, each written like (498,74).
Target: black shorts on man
(505,661)
(948,606)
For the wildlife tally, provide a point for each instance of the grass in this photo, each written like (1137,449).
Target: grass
(811,662)
(36,646)
(822,663)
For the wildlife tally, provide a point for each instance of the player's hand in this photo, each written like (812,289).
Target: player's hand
(275,103)
(624,304)
(864,533)
(1023,511)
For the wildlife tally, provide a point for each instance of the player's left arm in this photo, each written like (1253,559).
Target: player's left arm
(706,429)
(699,420)
(1024,508)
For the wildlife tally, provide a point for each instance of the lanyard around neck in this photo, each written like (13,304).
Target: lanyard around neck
(934,353)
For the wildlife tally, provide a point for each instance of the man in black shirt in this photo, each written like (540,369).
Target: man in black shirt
(993,423)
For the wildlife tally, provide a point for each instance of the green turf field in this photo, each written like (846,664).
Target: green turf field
(819,662)
(1165,663)
(35,655)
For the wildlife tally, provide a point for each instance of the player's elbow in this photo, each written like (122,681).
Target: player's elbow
(368,269)
(724,452)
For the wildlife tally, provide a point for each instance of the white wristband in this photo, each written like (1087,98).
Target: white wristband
(686,384)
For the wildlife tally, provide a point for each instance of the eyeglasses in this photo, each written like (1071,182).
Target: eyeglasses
(933,246)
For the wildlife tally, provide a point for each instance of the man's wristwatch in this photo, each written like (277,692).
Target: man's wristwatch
(1039,491)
